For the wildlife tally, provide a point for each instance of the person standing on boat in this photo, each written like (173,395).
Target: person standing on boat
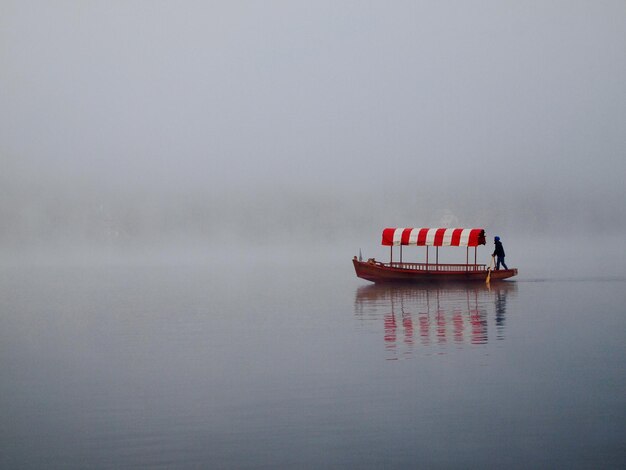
(499,253)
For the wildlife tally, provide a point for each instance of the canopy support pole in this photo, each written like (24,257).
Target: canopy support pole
(400,254)
(391,254)
(437,257)
(427,258)
(475,253)
(466,257)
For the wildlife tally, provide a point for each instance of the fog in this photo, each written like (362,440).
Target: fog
(125,125)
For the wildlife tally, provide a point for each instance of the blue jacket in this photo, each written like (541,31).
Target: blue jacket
(499,251)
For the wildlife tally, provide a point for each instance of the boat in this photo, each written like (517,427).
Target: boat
(428,271)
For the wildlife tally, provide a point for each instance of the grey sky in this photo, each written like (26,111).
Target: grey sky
(339,96)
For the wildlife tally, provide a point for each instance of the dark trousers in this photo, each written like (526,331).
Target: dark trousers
(500,260)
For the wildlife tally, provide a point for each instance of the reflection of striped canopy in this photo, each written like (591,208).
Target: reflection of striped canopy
(433,236)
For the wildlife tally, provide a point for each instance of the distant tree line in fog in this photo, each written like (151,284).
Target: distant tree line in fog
(278,215)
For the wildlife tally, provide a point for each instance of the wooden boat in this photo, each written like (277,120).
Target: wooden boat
(400,271)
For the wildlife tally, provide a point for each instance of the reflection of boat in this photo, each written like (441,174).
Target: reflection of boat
(399,271)
(377,294)
(433,313)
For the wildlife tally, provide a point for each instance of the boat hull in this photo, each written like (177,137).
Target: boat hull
(380,273)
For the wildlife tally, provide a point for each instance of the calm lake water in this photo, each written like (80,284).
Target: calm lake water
(286,365)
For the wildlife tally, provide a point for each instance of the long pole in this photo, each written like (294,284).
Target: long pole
(489,271)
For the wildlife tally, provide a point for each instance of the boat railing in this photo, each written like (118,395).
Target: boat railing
(447,267)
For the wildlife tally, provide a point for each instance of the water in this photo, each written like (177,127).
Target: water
(284,364)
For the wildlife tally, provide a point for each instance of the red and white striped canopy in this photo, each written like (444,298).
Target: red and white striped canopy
(433,236)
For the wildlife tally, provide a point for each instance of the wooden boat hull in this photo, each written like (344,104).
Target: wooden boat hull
(378,272)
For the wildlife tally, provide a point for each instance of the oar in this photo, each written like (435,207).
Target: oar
(489,270)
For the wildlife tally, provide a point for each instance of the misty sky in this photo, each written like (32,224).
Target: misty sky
(340,96)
